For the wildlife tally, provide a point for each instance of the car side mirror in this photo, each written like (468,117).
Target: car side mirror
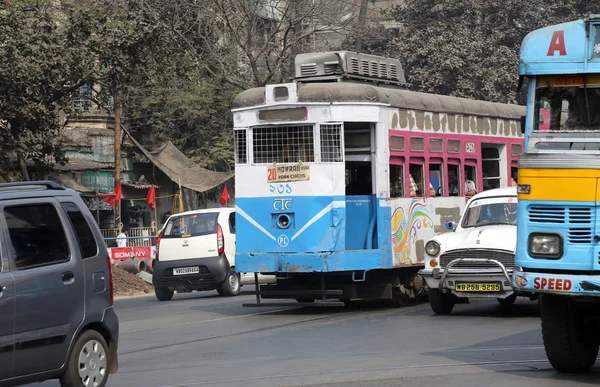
(451,225)
(523,123)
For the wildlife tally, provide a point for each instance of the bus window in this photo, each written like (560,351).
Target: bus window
(416,180)
(436,179)
(470,180)
(454,188)
(396,181)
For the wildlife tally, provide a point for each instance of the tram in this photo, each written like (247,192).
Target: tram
(343,174)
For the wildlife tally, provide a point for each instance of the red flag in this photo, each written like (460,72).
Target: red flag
(115,198)
(151,199)
(224,199)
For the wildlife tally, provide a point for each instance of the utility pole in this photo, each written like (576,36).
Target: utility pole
(117,153)
(362,21)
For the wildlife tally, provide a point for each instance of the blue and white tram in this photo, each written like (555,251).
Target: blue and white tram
(323,174)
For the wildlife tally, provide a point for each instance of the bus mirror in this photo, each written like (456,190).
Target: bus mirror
(451,225)
(523,123)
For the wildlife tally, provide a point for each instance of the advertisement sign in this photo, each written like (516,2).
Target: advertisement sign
(124,253)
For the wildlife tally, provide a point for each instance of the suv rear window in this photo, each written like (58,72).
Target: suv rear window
(37,235)
(191,225)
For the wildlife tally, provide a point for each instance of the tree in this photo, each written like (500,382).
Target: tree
(470,48)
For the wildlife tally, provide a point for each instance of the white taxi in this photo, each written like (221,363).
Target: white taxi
(476,260)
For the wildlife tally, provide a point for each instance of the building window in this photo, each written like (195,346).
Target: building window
(82,100)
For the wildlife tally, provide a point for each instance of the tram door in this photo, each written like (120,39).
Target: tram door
(360,198)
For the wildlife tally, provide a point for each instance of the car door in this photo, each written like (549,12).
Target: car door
(7,309)
(49,283)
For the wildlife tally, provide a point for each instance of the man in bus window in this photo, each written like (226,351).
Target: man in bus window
(414,188)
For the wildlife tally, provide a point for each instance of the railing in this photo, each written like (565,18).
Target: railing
(138,237)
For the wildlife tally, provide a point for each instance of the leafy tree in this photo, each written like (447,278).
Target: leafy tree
(470,48)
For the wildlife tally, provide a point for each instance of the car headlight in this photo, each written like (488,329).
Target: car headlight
(432,248)
(545,245)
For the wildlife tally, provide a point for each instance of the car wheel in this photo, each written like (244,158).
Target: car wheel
(440,303)
(163,294)
(508,301)
(231,286)
(88,363)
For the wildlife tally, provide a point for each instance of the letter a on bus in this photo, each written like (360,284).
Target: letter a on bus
(558,44)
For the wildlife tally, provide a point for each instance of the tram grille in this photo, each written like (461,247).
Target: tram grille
(507,259)
(283,144)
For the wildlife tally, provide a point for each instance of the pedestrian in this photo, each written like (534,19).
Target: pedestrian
(122,238)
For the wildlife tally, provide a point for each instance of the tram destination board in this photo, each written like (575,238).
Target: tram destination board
(288,172)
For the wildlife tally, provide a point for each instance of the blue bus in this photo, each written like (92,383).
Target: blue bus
(558,243)
(343,175)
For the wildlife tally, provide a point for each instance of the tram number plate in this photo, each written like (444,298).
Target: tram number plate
(485,287)
(186,270)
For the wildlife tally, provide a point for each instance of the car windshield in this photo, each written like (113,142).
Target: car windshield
(491,211)
(191,225)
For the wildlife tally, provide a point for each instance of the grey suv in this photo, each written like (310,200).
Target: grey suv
(56,296)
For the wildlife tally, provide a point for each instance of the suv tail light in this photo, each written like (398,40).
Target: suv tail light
(110,281)
(220,240)
(158,245)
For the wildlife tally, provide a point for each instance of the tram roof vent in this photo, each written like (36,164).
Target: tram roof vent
(337,66)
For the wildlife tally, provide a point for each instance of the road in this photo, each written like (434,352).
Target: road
(201,339)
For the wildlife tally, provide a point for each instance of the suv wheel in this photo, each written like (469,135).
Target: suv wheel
(88,363)
(231,285)
(163,294)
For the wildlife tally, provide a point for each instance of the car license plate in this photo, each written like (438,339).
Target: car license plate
(471,287)
(186,270)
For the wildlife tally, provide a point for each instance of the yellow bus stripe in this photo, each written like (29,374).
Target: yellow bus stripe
(579,185)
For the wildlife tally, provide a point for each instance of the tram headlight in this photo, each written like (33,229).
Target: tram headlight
(545,246)
(432,248)
(283,221)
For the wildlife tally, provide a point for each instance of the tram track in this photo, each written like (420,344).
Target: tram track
(528,364)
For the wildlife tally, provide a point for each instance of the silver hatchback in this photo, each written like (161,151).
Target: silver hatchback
(56,315)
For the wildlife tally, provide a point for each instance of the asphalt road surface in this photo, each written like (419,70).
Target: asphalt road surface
(202,339)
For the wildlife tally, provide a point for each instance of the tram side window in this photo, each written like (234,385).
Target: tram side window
(396,181)
(470,180)
(416,180)
(490,168)
(453,178)
(436,179)
(514,173)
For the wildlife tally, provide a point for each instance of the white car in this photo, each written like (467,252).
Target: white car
(477,259)
(196,251)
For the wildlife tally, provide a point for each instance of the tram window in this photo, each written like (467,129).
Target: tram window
(359,174)
(283,144)
(454,189)
(396,181)
(490,160)
(436,145)
(516,149)
(453,146)
(396,143)
(470,180)
(514,174)
(417,144)
(436,179)
(416,180)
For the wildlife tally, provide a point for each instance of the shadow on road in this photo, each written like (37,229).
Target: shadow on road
(519,354)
